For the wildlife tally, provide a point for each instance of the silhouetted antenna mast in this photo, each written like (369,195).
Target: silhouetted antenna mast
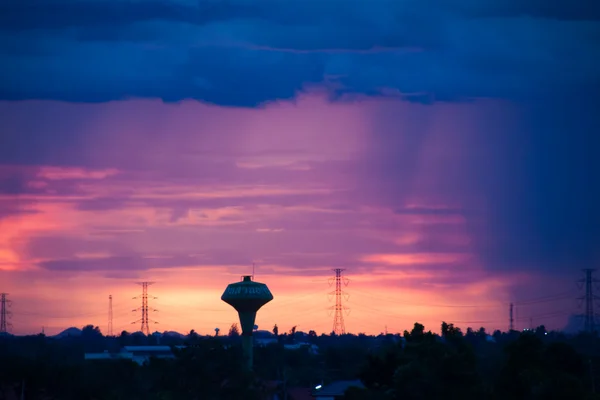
(511,325)
(145,320)
(110,316)
(589,322)
(253,271)
(4,313)
(338,319)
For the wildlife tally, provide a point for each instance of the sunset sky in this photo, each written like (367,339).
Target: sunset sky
(445,155)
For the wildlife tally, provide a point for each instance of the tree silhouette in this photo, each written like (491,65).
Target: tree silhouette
(91,331)
(92,338)
(234,330)
(193,337)
(418,330)
(450,331)
(536,371)
(424,366)
(275,330)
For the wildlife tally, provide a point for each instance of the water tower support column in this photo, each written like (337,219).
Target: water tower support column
(247,297)
(247,320)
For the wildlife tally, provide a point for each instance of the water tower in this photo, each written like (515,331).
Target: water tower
(247,297)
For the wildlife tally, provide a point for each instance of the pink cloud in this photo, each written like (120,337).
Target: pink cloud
(190,195)
(58,173)
(414,258)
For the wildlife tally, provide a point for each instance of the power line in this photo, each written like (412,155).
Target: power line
(405,303)
(589,320)
(371,310)
(538,300)
(338,320)
(145,319)
(292,300)
(545,299)
(545,315)
(474,322)
(4,313)
(70,316)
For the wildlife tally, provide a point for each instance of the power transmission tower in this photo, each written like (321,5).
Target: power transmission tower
(338,319)
(511,326)
(110,316)
(145,328)
(4,313)
(589,323)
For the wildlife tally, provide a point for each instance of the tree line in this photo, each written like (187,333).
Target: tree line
(417,364)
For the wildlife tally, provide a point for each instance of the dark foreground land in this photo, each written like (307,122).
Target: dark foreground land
(416,365)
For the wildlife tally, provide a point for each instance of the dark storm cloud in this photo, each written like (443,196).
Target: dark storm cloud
(245,53)
(553,9)
(42,14)
(540,181)
(543,191)
(34,14)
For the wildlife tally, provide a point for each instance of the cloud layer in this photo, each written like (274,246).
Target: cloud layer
(242,52)
(417,202)
(442,152)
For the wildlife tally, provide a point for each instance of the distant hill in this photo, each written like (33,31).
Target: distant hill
(76,332)
(171,334)
(69,332)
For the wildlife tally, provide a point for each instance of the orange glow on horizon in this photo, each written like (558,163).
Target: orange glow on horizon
(298,301)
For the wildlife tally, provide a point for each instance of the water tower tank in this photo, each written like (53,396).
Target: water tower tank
(247,297)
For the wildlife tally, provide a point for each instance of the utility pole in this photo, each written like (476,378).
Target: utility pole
(338,319)
(4,313)
(589,323)
(145,328)
(511,326)
(110,316)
